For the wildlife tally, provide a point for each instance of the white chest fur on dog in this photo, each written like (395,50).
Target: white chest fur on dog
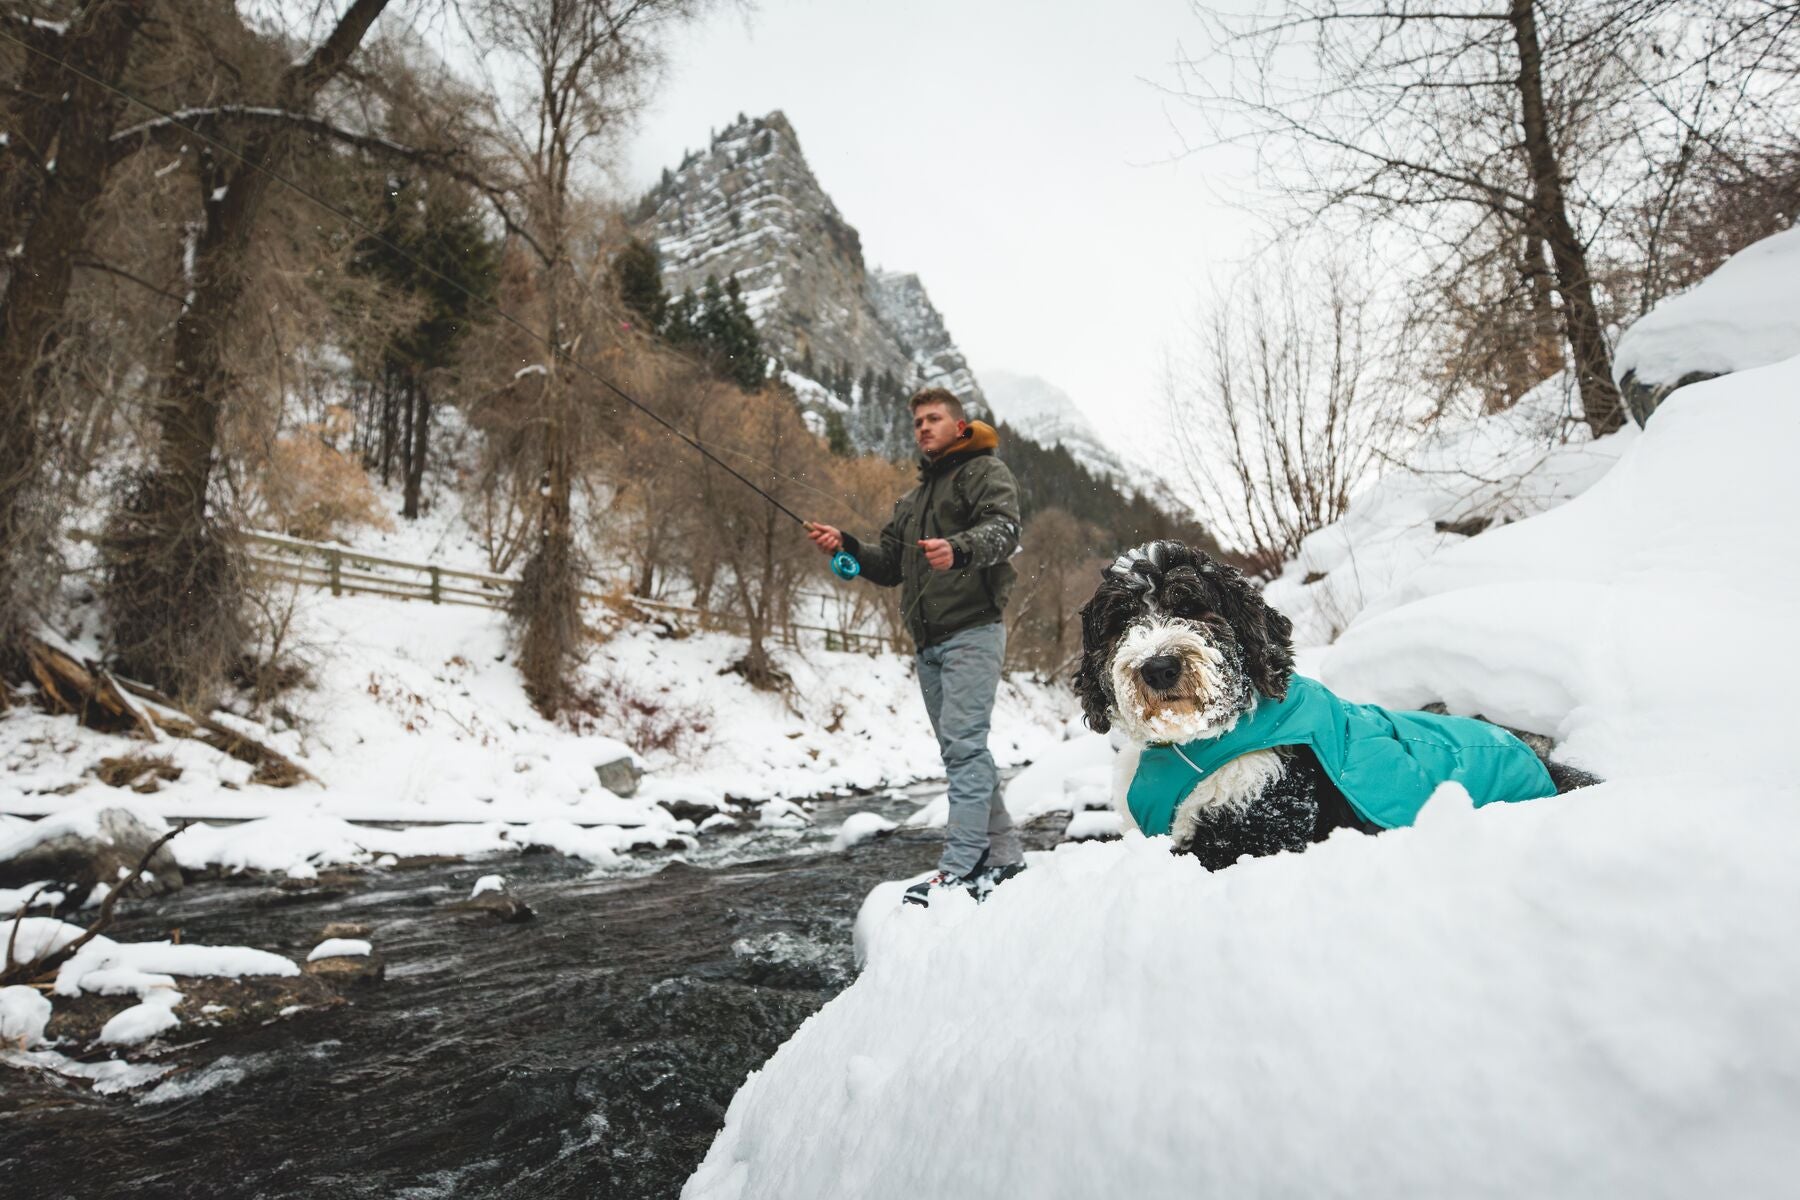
(1230,788)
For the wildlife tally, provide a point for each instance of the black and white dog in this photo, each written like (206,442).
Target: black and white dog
(1175,646)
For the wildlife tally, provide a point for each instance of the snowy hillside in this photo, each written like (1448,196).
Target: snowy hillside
(1581,996)
(1745,314)
(1464,478)
(1048,415)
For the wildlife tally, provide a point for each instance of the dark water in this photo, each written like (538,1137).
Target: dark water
(591,1052)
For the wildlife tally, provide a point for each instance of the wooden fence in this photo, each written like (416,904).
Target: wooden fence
(343,571)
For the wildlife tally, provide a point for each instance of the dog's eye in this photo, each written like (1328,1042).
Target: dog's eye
(1192,611)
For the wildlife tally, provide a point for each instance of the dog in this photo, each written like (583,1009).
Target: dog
(1184,657)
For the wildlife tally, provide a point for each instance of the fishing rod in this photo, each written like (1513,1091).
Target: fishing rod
(843,564)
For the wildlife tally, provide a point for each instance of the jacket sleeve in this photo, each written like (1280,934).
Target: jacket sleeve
(880,563)
(992,495)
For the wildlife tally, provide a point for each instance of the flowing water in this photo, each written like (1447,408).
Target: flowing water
(589,1052)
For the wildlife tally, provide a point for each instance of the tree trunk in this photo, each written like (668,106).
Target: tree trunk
(419,425)
(1601,406)
(165,606)
(80,126)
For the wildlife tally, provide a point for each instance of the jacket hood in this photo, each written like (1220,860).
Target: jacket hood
(978,438)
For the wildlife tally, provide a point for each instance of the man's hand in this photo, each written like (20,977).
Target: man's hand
(939,553)
(827,539)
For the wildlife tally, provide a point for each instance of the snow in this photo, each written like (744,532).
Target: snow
(861,827)
(1586,998)
(142,1021)
(104,967)
(1501,467)
(1648,624)
(488,883)
(1745,314)
(1084,826)
(346,947)
(104,963)
(108,1076)
(23,1015)
(783,814)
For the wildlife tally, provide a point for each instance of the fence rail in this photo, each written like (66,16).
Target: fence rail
(343,571)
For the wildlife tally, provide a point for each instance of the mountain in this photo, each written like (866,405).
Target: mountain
(750,206)
(1026,402)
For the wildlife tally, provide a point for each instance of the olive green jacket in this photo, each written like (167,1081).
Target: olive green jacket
(969,498)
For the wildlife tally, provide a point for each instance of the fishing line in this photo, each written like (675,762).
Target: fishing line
(842,564)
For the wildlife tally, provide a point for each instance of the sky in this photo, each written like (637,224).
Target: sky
(1016,155)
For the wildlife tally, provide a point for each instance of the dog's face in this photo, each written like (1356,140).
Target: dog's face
(1175,645)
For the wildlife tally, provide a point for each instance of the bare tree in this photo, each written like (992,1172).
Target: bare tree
(566,74)
(1281,410)
(1485,123)
(174,584)
(62,116)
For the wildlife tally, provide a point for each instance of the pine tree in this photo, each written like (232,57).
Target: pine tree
(837,435)
(637,273)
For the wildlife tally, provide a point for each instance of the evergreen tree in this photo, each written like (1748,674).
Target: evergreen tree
(837,435)
(433,246)
(637,273)
(681,327)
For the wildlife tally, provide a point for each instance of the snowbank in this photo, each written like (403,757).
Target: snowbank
(1648,624)
(1745,314)
(1582,997)
(1465,475)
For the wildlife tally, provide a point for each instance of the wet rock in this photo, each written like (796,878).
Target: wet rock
(208,1007)
(620,776)
(343,929)
(70,854)
(689,810)
(490,898)
(1643,399)
(346,962)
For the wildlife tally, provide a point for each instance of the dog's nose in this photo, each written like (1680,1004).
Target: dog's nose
(1161,672)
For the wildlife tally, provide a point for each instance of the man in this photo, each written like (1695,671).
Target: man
(946,548)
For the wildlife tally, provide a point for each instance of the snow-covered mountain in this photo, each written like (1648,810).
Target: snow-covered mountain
(1046,413)
(749,206)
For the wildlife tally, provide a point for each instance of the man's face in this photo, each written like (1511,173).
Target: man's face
(934,428)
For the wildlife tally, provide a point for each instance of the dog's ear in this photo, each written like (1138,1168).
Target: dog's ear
(1266,637)
(1093,677)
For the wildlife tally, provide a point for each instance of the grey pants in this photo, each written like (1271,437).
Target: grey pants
(958,677)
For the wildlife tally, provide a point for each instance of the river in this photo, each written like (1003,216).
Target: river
(589,1052)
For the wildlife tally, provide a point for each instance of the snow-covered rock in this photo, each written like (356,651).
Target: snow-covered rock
(341,948)
(859,828)
(24,1012)
(1745,314)
(96,845)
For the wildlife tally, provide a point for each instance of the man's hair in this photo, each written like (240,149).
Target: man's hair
(937,395)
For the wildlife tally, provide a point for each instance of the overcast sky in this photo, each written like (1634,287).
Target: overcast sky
(1010,152)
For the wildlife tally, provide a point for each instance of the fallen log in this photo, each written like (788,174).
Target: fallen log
(105,701)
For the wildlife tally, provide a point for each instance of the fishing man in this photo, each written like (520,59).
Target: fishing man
(946,548)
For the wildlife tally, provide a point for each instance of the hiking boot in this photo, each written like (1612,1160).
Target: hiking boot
(921,892)
(987,879)
(978,883)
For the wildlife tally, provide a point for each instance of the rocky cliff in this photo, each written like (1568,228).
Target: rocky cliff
(750,206)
